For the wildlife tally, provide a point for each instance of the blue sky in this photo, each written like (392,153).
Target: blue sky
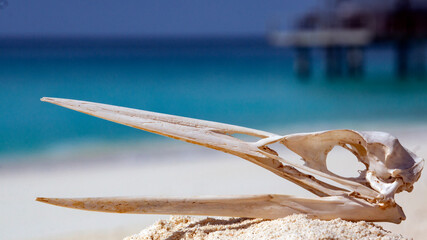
(142,18)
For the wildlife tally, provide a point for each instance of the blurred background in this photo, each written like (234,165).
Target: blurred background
(282,66)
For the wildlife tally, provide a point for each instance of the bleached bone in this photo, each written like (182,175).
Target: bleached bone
(268,206)
(390,169)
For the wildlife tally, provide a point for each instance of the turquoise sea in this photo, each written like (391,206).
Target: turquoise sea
(240,81)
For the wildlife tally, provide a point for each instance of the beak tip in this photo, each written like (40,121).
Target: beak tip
(42,199)
(46,99)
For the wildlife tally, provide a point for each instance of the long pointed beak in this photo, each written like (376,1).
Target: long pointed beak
(269,206)
(210,134)
(146,120)
(205,133)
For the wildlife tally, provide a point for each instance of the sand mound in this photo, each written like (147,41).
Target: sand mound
(291,227)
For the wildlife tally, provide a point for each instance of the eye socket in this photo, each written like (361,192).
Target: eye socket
(344,163)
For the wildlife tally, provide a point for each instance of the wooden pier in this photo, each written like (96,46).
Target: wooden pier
(343,49)
(348,28)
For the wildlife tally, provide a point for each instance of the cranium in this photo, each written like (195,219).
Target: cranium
(390,169)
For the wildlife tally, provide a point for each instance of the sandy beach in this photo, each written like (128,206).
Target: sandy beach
(169,168)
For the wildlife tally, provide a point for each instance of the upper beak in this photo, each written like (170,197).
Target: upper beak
(209,134)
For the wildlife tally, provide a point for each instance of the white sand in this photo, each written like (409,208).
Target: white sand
(192,171)
(295,227)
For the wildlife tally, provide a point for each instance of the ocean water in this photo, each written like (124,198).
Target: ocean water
(239,82)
